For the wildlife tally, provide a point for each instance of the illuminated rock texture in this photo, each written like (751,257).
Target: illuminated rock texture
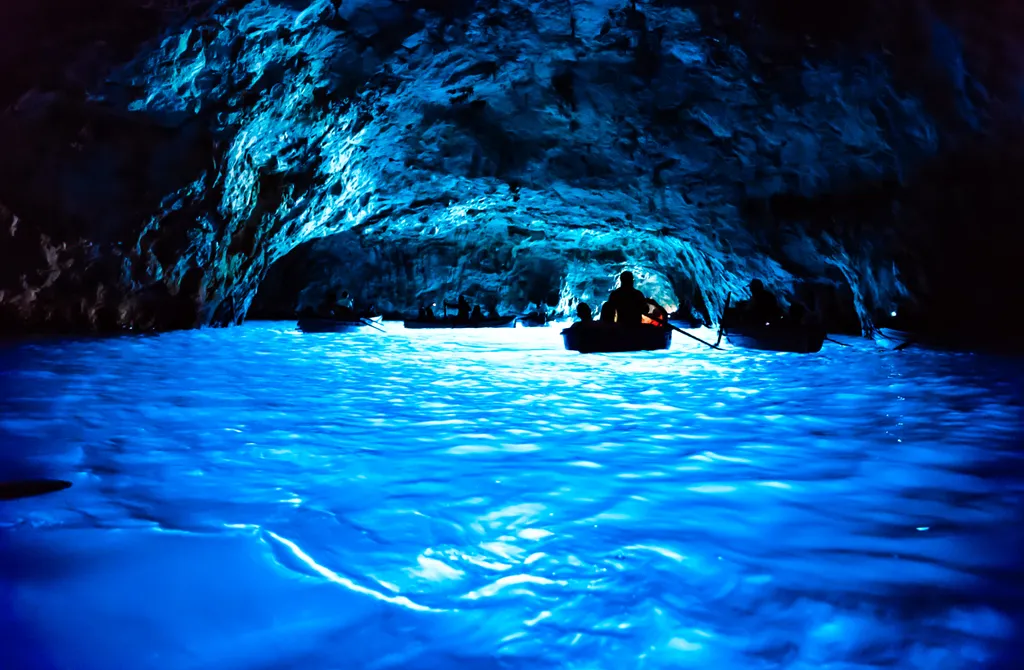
(523,152)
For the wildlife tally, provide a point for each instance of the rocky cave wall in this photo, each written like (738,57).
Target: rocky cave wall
(496,266)
(481,145)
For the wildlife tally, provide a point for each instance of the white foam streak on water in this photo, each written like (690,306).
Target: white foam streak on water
(258,498)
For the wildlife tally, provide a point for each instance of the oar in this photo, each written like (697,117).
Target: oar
(666,324)
(842,344)
(371,324)
(721,324)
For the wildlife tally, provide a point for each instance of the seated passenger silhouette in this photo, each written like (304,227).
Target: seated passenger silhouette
(463,308)
(689,314)
(328,305)
(797,314)
(584,313)
(629,304)
(477,316)
(345,309)
(762,308)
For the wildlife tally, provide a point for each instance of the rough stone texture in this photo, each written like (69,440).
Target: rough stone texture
(516,150)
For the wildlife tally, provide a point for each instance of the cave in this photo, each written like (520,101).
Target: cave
(165,155)
(185,181)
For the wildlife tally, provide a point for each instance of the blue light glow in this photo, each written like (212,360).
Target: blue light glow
(255,497)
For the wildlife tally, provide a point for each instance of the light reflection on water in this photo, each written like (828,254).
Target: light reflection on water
(259,498)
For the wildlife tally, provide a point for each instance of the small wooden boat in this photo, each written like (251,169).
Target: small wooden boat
(533,321)
(598,337)
(316,324)
(795,339)
(889,338)
(500,322)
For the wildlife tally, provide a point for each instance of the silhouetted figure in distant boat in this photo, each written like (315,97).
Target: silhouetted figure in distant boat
(762,308)
(426,313)
(345,308)
(797,314)
(328,304)
(688,313)
(628,303)
(477,315)
(463,306)
(584,313)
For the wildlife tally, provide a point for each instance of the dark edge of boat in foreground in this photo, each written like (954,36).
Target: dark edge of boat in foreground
(500,322)
(597,337)
(31,487)
(316,324)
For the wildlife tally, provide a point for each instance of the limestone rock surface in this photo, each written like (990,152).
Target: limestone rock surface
(523,152)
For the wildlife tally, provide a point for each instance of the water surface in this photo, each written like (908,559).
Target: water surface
(259,498)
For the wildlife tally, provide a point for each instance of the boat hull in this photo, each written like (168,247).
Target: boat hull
(777,338)
(888,338)
(609,338)
(502,322)
(321,325)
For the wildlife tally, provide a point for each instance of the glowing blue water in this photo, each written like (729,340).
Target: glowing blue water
(256,498)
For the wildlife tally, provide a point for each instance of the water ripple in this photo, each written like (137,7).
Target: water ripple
(255,498)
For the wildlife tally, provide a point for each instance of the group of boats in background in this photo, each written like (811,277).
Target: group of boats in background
(601,337)
(629,321)
(336,325)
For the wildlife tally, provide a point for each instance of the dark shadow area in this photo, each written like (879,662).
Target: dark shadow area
(28,488)
(52,44)
(959,245)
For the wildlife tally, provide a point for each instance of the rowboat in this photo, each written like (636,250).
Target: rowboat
(599,337)
(500,322)
(889,338)
(533,321)
(795,339)
(310,324)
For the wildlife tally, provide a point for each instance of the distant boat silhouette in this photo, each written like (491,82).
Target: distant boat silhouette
(312,324)
(498,322)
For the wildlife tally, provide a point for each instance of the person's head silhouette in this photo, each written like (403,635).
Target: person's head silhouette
(626,279)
